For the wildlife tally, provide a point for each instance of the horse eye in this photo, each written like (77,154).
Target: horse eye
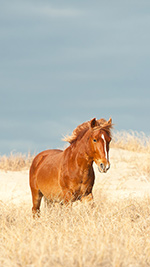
(94,140)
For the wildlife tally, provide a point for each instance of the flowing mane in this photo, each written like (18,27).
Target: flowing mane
(78,133)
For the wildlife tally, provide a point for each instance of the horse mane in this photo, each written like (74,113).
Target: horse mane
(81,129)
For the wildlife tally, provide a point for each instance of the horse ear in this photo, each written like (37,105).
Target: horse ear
(110,121)
(93,123)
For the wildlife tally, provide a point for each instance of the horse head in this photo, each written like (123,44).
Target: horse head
(100,138)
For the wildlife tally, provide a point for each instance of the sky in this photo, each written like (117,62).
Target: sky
(66,62)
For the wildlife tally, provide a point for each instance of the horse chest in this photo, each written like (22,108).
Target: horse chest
(80,184)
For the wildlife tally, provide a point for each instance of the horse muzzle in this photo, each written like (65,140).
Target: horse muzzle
(103,167)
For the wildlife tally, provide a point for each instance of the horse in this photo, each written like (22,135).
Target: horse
(67,175)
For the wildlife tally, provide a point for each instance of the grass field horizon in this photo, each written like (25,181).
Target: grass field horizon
(115,233)
(126,140)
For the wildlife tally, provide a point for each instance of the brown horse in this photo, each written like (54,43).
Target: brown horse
(67,176)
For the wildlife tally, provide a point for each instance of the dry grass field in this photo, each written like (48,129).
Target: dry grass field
(116,232)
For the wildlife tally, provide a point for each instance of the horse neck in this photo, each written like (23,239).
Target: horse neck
(79,151)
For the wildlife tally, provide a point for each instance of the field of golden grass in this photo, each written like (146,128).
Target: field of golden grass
(111,234)
(15,162)
(115,233)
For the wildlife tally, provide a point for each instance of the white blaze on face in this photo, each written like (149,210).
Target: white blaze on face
(106,154)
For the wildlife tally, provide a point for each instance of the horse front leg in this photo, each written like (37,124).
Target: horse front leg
(67,196)
(88,199)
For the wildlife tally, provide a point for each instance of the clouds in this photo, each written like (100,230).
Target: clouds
(51,12)
(38,8)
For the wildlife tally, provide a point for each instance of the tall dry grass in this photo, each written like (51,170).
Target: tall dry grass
(132,141)
(111,234)
(16,162)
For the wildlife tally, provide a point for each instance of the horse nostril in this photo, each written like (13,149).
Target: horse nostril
(102,166)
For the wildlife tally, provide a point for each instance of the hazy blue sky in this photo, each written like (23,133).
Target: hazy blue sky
(65,62)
